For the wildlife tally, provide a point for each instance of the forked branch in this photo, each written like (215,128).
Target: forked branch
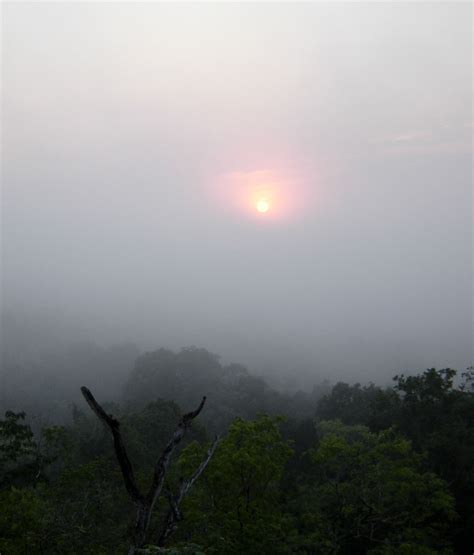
(145,503)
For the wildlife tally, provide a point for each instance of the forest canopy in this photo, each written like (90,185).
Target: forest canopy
(346,468)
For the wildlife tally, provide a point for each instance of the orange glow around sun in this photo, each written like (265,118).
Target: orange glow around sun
(265,194)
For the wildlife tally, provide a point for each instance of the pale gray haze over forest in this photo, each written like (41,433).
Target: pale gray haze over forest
(141,139)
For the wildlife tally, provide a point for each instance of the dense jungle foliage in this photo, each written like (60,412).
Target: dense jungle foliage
(345,469)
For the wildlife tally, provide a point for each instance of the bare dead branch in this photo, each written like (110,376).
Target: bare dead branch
(163,462)
(192,415)
(120,451)
(146,503)
(174,514)
(186,485)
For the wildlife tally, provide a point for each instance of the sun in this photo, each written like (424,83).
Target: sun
(263,205)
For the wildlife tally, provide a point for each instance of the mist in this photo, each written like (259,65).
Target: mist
(130,134)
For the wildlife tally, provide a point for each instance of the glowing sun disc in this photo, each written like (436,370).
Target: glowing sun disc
(263,205)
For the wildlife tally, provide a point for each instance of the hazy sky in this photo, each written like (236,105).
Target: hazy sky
(137,138)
